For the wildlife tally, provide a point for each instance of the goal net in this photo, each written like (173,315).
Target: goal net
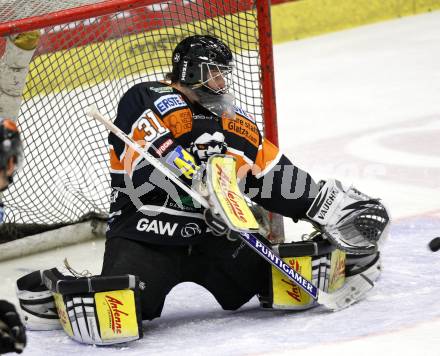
(91,52)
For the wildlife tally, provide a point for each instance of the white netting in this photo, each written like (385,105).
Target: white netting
(65,176)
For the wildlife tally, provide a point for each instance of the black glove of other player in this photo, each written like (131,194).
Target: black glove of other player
(12,332)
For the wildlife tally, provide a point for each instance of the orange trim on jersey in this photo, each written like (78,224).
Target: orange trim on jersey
(242,167)
(128,161)
(115,163)
(242,127)
(268,153)
(179,122)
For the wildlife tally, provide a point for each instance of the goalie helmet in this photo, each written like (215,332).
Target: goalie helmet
(198,59)
(10,146)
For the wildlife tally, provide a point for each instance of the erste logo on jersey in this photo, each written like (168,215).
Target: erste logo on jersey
(169,102)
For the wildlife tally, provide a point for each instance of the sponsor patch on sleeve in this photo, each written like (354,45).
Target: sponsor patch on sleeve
(243,128)
(164,147)
(169,102)
(162,90)
(244,113)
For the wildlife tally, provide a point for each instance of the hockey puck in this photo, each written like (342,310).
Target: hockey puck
(434,245)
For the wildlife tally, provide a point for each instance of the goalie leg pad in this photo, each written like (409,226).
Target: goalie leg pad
(369,266)
(326,269)
(91,311)
(37,303)
(103,318)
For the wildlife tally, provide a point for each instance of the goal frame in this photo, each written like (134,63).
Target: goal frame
(107,7)
(265,46)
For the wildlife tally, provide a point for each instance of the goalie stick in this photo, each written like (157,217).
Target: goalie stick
(354,288)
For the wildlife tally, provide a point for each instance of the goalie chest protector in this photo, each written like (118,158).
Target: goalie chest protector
(181,127)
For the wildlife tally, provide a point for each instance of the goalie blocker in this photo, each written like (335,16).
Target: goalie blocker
(91,310)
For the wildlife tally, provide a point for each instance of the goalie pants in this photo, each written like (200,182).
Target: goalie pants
(231,271)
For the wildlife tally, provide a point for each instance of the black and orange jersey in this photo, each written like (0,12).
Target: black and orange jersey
(145,205)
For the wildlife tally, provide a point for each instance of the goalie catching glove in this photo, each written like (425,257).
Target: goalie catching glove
(351,220)
(91,310)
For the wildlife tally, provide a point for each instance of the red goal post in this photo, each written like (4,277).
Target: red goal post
(90,52)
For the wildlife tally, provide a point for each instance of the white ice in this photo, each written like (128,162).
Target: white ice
(363,106)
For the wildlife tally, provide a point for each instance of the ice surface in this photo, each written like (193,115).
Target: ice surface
(360,105)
